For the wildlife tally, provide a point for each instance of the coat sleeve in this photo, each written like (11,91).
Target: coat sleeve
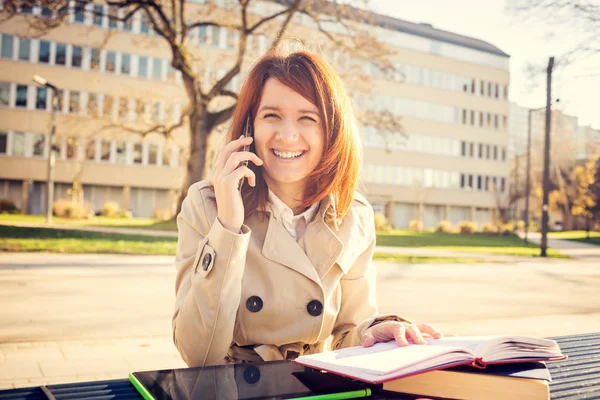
(358,310)
(210,262)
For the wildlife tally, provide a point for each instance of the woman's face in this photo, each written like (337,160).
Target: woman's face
(288,136)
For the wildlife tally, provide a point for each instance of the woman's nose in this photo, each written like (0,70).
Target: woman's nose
(287,131)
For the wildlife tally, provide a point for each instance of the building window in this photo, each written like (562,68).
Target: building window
(108,106)
(166,155)
(113,13)
(79,12)
(121,155)
(24,49)
(46,12)
(61,54)
(152,154)
(480,150)
(123,110)
(479,182)
(7,47)
(137,153)
(504,122)
(481,88)
(105,146)
(489,89)
(21,100)
(471,150)
(496,125)
(145,24)
(157,69)
(502,184)
(202,34)
(503,154)
(472,85)
(111,61)
(90,150)
(495,152)
(487,183)
(128,25)
(489,120)
(41,98)
(231,37)
(156,111)
(44,56)
(4,94)
(463,148)
(3,142)
(39,142)
(143,67)
(472,117)
(505,92)
(76,60)
(139,111)
(92,106)
(98,14)
(480,118)
(74,102)
(488,152)
(125,64)
(464,116)
(497,91)
(18,144)
(462,181)
(71,148)
(470,186)
(95,60)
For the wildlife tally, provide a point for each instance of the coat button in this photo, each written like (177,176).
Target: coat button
(254,304)
(206,260)
(251,374)
(314,308)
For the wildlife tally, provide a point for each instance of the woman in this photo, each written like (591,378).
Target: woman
(274,270)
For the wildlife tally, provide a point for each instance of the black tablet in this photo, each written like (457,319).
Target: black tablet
(269,380)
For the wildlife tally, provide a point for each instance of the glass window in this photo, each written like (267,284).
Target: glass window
(497,91)
(464,116)
(495,152)
(216,36)
(231,37)
(202,35)
(145,24)
(107,107)
(113,13)
(480,152)
(41,98)
(111,61)
(44,56)
(39,141)
(152,154)
(98,14)
(121,154)
(128,25)
(79,12)
(21,96)
(156,111)
(123,110)
(95,60)
(157,69)
(90,150)
(143,67)
(463,148)
(7,46)
(76,60)
(3,142)
(496,121)
(105,150)
(125,64)
(92,105)
(471,152)
(46,12)
(481,118)
(24,49)
(61,97)
(71,148)
(166,155)
(74,102)
(61,54)
(170,71)
(503,154)
(472,117)
(137,153)
(4,94)
(18,144)
(139,109)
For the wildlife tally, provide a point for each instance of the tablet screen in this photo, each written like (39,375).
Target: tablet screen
(270,380)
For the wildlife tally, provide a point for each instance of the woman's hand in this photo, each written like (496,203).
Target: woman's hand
(402,332)
(227,175)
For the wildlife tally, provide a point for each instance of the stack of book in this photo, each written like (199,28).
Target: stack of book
(488,367)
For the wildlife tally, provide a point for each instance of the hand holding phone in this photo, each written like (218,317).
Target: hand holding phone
(231,168)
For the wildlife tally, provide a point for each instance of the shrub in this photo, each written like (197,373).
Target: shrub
(381,224)
(467,227)
(111,209)
(520,224)
(68,209)
(507,229)
(7,206)
(488,227)
(125,214)
(415,225)
(444,227)
(162,214)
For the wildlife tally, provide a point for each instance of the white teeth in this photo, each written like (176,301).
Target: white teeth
(287,154)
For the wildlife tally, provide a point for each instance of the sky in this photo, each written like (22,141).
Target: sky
(527,41)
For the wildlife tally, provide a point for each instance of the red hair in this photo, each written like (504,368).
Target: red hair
(311,77)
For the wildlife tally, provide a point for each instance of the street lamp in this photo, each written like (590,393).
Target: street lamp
(52,145)
(528,177)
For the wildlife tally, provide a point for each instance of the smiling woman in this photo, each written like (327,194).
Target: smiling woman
(273,271)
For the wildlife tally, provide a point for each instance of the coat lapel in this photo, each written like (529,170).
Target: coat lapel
(280,247)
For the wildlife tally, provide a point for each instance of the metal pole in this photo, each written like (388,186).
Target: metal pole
(51,159)
(527,178)
(546,182)
(516,191)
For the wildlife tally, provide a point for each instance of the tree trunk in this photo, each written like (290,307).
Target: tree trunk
(199,134)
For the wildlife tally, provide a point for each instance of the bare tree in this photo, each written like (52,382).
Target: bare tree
(211,104)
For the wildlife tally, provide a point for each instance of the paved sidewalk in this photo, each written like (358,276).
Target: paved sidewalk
(102,229)
(571,248)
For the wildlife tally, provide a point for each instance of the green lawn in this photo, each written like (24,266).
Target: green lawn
(17,239)
(138,223)
(577,236)
(474,243)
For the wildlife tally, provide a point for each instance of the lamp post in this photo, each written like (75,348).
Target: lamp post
(52,144)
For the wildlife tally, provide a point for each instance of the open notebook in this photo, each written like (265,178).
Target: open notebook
(386,361)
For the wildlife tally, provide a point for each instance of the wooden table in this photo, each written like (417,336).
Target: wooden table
(578,377)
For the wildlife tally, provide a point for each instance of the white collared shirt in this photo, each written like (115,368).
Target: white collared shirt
(294,224)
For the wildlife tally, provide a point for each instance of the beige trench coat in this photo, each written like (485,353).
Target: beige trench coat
(260,295)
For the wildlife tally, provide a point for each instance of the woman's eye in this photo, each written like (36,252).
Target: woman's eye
(308,119)
(270,116)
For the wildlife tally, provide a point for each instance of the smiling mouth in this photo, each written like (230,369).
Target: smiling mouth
(288,155)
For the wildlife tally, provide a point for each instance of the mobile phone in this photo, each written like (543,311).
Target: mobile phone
(247,133)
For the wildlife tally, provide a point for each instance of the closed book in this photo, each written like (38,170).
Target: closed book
(383,362)
(524,381)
